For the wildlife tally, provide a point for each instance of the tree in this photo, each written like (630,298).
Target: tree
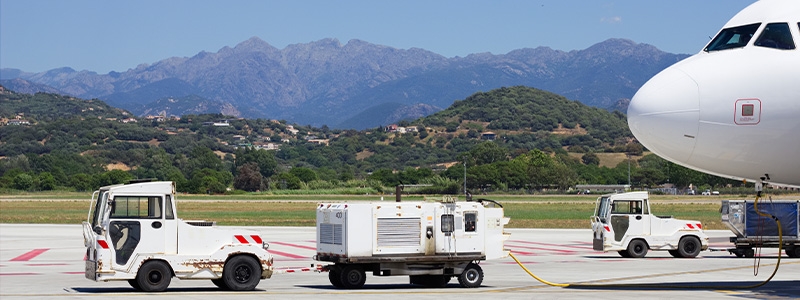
(23,182)
(304,174)
(487,153)
(248,178)
(590,158)
(265,160)
(284,181)
(81,182)
(46,181)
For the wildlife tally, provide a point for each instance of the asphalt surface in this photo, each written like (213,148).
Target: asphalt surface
(46,261)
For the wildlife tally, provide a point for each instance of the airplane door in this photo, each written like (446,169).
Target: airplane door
(136,227)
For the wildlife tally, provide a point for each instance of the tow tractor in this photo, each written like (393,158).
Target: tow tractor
(133,233)
(431,242)
(624,223)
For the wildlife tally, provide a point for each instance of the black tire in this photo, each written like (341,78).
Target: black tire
(637,249)
(134,284)
(675,253)
(241,273)
(335,277)
(624,253)
(154,276)
(472,276)
(220,283)
(793,252)
(352,277)
(689,247)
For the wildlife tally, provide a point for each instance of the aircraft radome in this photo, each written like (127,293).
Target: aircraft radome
(733,109)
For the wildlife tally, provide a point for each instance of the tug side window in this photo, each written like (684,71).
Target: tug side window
(627,207)
(168,209)
(126,207)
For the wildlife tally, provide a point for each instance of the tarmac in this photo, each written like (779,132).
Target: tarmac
(46,261)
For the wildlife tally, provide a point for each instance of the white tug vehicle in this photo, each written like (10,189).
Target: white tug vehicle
(133,233)
(623,223)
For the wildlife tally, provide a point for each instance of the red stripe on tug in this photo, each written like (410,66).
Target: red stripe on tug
(257,239)
(102,244)
(241,239)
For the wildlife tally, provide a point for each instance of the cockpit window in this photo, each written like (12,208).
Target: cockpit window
(776,35)
(734,37)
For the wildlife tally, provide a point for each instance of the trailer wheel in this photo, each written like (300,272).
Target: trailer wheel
(472,276)
(220,283)
(748,253)
(154,276)
(689,247)
(793,252)
(352,277)
(241,273)
(335,276)
(637,249)
(134,284)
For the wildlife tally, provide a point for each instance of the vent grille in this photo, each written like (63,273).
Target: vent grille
(330,233)
(399,232)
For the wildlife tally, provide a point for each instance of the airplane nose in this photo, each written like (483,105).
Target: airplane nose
(664,114)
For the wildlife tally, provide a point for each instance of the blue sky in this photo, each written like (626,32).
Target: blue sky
(103,36)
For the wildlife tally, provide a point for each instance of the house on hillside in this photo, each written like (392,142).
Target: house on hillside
(18,122)
(489,136)
(319,141)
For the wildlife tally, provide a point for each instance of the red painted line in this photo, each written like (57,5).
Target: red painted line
(45,265)
(18,274)
(581,243)
(523,253)
(294,245)
(286,254)
(30,255)
(74,273)
(544,249)
(554,245)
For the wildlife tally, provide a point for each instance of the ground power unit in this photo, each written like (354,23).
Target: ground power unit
(429,241)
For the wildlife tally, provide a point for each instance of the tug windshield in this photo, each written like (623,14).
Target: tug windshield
(602,209)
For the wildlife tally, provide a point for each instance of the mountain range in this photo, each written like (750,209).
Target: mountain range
(356,85)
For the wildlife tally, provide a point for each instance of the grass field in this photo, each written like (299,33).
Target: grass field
(557,211)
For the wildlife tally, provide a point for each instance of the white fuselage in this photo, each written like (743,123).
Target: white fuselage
(731,112)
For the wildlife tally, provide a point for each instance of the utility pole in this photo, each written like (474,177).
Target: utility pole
(465,177)
(629,169)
